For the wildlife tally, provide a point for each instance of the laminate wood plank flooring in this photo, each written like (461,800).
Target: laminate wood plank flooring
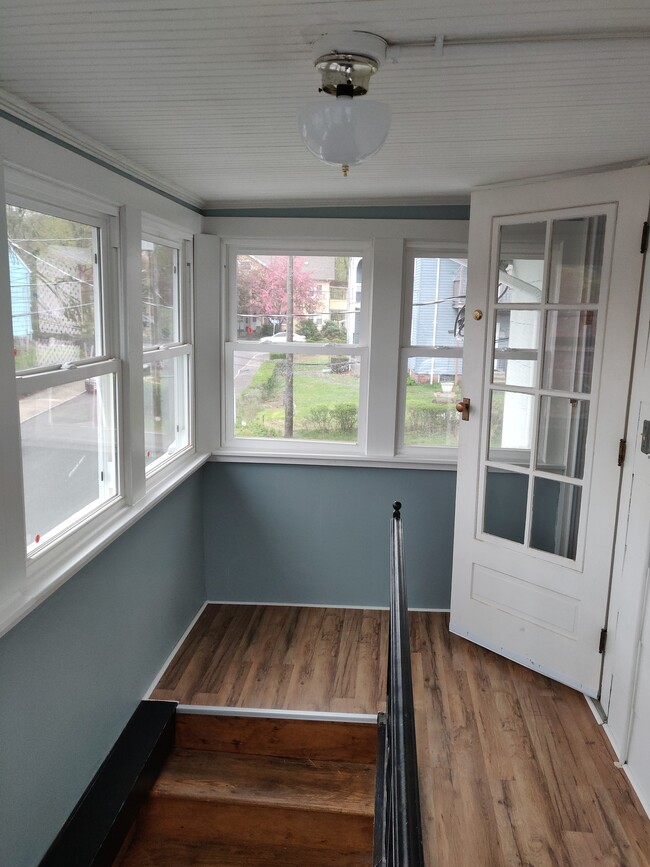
(280,657)
(514,769)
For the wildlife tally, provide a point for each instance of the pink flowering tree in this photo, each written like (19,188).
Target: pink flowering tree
(262,287)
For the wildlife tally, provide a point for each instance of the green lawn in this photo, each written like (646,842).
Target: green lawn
(325,403)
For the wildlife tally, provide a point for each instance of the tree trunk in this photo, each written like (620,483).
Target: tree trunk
(288,394)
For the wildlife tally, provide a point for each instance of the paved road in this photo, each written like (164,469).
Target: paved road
(60,463)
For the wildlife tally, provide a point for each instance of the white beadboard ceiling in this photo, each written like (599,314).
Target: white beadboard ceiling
(203,94)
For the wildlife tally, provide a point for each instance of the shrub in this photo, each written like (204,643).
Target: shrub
(426,420)
(258,429)
(332,332)
(308,330)
(319,416)
(274,380)
(345,416)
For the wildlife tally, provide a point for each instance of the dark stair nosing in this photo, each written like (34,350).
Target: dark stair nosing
(94,832)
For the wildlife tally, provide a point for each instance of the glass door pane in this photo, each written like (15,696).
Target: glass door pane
(556,510)
(569,350)
(576,260)
(562,435)
(547,286)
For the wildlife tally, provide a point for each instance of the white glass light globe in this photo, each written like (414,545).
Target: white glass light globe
(344,130)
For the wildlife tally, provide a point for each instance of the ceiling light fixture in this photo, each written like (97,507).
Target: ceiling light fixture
(344,131)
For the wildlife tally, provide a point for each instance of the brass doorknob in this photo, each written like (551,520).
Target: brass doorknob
(463,407)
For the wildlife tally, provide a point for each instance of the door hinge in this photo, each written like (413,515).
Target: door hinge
(622,448)
(603,641)
(644,237)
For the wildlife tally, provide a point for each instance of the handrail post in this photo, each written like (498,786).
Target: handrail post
(400,817)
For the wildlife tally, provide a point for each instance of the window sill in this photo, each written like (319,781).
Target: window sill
(52,569)
(402,462)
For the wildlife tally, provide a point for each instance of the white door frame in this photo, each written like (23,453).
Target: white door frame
(630,571)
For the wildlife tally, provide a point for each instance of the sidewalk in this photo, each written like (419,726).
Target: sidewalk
(43,401)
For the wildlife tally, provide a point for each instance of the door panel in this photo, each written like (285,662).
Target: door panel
(547,364)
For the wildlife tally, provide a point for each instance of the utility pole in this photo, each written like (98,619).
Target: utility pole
(288,394)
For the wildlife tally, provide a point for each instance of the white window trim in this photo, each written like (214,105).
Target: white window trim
(107,362)
(25,583)
(409,350)
(231,248)
(160,232)
(388,242)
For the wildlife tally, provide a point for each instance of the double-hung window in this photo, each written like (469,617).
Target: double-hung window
(431,356)
(67,366)
(167,349)
(295,350)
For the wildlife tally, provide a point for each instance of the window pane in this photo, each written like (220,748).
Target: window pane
(556,512)
(516,343)
(294,396)
(569,355)
(54,277)
(521,264)
(69,454)
(511,427)
(165,408)
(433,386)
(160,300)
(300,298)
(576,260)
(504,514)
(562,435)
(438,312)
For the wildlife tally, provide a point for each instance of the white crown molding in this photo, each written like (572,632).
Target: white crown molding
(26,113)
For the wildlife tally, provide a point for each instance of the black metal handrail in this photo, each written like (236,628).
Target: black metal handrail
(398,823)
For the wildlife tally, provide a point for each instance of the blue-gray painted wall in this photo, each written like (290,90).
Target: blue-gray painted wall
(73,671)
(320,534)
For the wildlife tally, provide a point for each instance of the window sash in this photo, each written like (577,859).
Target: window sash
(181,401)
(416,350)
(231,346)
(178,319)
(178,348)
(102,381)
(328,248)
(103,274)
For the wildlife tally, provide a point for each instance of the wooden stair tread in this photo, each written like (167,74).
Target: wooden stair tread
(206,775)
(147,852)
(255,825)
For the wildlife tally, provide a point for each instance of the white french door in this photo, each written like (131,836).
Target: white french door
(553,284)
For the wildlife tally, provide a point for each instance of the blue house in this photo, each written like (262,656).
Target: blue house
(439,288)
(20,280)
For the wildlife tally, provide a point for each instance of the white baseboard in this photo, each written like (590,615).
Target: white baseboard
(319,605)
(177,647)
(645,801)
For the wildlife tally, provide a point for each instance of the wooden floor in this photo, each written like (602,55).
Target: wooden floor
(514,769)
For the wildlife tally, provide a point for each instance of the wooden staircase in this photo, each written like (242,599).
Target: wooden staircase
(252,792)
